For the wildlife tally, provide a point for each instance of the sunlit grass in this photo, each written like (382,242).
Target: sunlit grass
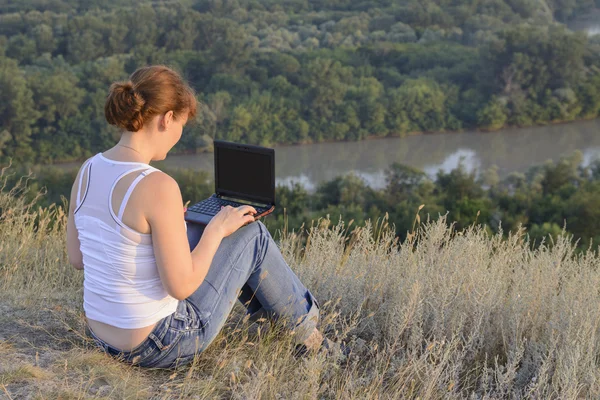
(444,314)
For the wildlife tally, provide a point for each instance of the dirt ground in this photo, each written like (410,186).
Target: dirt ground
(44,354)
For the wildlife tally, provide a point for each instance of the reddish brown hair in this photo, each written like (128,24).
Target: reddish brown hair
(150,91)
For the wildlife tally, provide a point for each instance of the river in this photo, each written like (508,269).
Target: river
(510,150)
(589,23)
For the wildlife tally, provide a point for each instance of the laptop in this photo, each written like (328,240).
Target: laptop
(244,175)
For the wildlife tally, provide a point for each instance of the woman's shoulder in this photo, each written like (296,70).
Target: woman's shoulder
(80,181)
(158,183)
(158,177)
(159,190)
(83,166)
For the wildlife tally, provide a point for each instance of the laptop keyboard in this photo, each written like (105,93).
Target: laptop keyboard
(213,205)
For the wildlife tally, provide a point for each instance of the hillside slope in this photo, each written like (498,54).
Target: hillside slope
(443,315)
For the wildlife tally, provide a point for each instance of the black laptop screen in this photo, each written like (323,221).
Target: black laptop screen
(244,173)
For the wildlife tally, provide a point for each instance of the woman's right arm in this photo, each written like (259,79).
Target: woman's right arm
(182,272)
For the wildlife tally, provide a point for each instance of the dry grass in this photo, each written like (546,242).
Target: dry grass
(445,315)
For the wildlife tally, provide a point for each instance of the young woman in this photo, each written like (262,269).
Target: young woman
(147,299)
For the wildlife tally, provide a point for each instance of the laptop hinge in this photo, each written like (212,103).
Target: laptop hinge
(244,201)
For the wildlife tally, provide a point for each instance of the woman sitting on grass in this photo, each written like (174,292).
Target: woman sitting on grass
(147,299)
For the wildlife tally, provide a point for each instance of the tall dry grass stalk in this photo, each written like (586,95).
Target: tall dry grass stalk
(444,315)
(33,255)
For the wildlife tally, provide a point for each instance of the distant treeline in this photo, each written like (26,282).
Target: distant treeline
(293,71)
(541,200)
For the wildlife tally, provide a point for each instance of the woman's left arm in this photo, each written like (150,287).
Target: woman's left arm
(73,249)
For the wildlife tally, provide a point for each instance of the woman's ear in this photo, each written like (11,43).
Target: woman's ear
(167,120)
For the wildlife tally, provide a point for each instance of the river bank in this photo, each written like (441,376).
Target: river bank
(207,150)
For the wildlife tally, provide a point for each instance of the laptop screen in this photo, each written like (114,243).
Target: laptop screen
(244,172)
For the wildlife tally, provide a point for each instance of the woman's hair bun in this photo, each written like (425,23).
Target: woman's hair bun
(124,107)
(149,91)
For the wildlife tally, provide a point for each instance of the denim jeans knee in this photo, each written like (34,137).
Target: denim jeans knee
(246,232)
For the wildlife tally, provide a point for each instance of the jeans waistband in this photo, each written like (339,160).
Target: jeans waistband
(156,336)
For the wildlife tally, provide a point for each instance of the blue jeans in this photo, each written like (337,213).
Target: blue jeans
(247,266)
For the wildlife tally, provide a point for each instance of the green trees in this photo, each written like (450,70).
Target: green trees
(493,115)
(294,72)
(17,112)
(57,99)
(588,92)
(326,81)
(534,71)
(424,104)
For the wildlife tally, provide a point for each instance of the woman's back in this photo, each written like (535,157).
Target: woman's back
(122,286)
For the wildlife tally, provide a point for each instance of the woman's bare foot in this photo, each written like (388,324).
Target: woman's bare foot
(316,342)
(313,342)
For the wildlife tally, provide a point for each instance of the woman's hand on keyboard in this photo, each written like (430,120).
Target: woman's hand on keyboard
(230,219)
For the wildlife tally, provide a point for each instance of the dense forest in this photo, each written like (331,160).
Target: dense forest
(293,71)
(545,200)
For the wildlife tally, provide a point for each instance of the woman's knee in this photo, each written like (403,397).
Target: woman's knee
(262,228)
(250,231)
(257,228)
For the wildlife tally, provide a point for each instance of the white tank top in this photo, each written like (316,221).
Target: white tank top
(121,284)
